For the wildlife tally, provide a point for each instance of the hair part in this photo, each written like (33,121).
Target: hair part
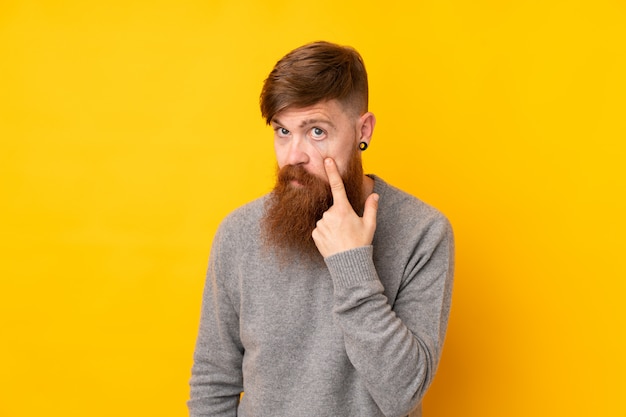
(313,73)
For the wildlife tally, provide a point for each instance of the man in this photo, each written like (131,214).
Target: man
(329,296)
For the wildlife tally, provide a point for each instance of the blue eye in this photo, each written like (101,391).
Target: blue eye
(317,133)
(281,131)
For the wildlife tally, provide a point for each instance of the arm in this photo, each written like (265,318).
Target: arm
(216,380)
(395,349)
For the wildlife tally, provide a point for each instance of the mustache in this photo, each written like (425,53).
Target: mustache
(297,173)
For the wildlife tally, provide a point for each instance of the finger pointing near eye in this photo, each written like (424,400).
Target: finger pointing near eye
(340,228)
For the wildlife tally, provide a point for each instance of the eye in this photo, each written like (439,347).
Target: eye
(317,133)
(282,132)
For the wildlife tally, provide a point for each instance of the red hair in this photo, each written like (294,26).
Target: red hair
(313,73)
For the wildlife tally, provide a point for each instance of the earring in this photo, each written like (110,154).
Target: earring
(363,146)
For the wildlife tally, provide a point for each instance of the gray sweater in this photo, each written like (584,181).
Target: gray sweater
(356,334)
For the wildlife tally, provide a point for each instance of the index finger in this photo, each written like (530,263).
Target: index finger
(335,181)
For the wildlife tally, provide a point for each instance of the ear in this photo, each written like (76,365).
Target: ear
(367,121)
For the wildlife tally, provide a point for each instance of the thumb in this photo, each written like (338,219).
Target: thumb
(370,210)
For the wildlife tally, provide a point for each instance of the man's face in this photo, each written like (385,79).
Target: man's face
(305,136)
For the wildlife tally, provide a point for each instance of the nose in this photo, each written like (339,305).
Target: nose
(297,152)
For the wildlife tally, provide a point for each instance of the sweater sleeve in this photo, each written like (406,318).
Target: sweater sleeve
(216,376)
(395,347)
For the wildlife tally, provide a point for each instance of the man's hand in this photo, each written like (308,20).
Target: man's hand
(340,228)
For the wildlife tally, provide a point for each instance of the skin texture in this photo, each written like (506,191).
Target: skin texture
(321,139)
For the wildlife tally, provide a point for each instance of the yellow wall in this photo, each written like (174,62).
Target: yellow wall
(129,129)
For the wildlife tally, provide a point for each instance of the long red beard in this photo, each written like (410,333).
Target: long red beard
(292,210)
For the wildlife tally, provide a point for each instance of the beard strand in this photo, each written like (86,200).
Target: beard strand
(293,210)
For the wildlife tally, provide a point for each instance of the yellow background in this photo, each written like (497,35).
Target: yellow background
(130,129)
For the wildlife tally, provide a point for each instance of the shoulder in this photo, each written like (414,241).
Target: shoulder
(247,214)
(401,213)
(400,204)
(242,224)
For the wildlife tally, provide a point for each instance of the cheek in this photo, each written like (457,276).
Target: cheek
(343,161)
(316,167)
(281,155)
(320,148)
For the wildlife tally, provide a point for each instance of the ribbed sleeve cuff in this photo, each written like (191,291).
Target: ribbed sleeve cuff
(352,266)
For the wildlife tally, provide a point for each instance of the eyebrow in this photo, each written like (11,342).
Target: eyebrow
(307,122)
